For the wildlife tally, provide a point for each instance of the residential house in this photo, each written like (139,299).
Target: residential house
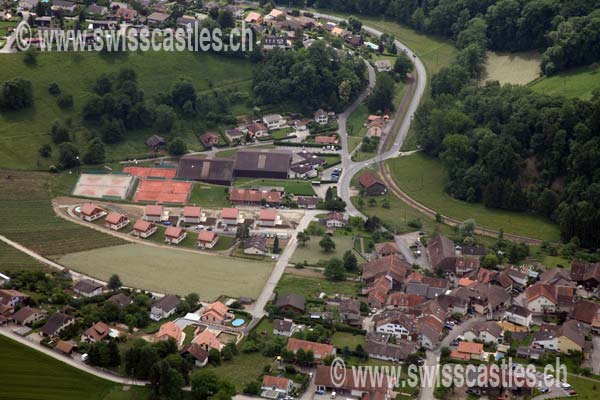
(208,340)
(28,316)
(276,42)
(66,347)
(386,249)
(441,252)
(120,300)
(566,338)
(284,327)
(196,352)
(392,266)
(464,265)
(397,352)
(383,65)
(207,239)
(321,117)
(236,11)
(403,301)
(144,229)
(215,313)
(557,277)
(425,286)
(586,274)
(398,324)
(529,352)
(378,291)
(319,350)
(209,139)
(483,299)
(256,245)
(153,213)
(234,135)
(96,333)
(519,278)
(430,328)
(468,351)
(489,331)
(229,216)
(115,221)
(275,14)
(255,197)
(334,220)
(349,311)
(291,302)
(274,121)
(276,386)
(96,10)
(518,315)
(257,130)
(157,18)
(254,18)
(56,324)
(129,15)
(164,307)
(170,330)
(267,217)
(175,235)
(68,7)
(12,298)
(349,387)
(585,312)
(307,202)
(191,215)
(88,288)
(326,140)
(90,212)
(337,31)
(541,298)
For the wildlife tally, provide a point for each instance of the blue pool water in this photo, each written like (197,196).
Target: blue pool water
(237,322)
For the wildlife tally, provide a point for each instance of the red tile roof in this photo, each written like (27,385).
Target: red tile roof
(155,211)
(142,226)
(89,209)
(368,179)
(540,289)
(192,212)
(174,232)
(206,236)
(254,196)
(229,213)
(114,218)
(470,348)
(278,382)
(320,350)
(267,214)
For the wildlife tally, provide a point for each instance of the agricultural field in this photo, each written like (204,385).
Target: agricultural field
(23,132)
(170,271)
(514,68)
(578,82)
(312,252)
(28,374)
(209,196)
(424,178)
(296,187)
(27,217)
(12,259)
(312,287)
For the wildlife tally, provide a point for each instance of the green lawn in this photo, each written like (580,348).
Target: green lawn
(27,217)
(27,374)
(586,389)
(209,196)
(296,187)
(343,339)
(578,82)
(424,178)
(312,287)
(355,126)
(171,271)
(233,151)
(312,252)
(243,369)
(22,132)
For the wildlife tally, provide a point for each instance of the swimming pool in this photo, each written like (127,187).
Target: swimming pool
(237,322)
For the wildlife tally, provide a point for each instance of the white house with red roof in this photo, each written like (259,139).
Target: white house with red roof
(207,239)
(144,229)
(91,212)
(268,217)
(276,386)
(191,215)
(115,221)
(175,235)
(229,216)
(153,213)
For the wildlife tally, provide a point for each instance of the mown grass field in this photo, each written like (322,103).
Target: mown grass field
(312,252)
(23,132)
(170,271)
(578,82)
(312,287)
(27,217)
(209,196)
(515,68)
(424,178)
(343,339)
(27,374)
(296,187)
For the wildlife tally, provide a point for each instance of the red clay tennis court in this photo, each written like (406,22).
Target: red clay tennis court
(103,185)
(145,172)
(163,191)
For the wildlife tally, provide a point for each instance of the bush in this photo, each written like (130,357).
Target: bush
(65,100)
(54,89)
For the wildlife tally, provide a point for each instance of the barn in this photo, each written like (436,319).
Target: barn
(264,163)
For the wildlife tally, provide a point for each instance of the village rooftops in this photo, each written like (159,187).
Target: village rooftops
(229,213)
(153,210)
(320,350)
(192,212)
(87,286)
(267,214)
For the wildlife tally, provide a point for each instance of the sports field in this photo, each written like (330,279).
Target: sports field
(515,68)
(103,185)
(23,132)
(151,172)
(424,178)
(27,217)
(209,196)
(171,271)
(163,191)
(578,82)
(27,374)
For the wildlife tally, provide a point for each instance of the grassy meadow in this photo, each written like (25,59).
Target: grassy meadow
(424,179)
(296,187)
(27,374)
(312,252)
(515,68)
(312,287)
(578,82)
(23,132)
(168,271)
